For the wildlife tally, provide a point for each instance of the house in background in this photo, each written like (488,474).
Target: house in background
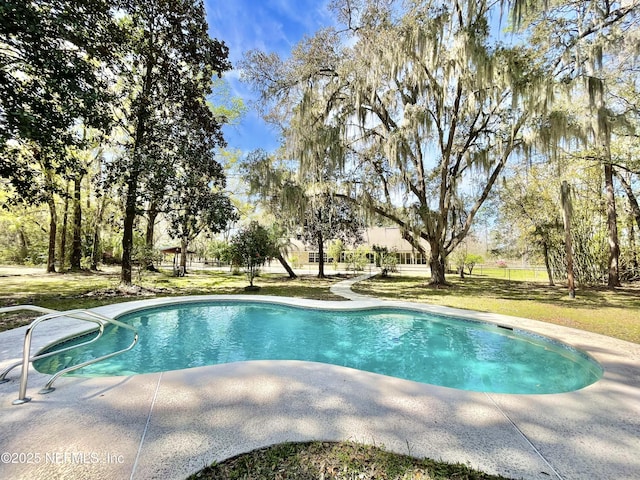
(389,237)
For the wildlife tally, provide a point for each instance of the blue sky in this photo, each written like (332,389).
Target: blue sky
(271,26)
(268,25)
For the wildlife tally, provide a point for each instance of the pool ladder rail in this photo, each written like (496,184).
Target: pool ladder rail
(49,314)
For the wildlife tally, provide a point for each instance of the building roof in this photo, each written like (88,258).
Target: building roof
(389,237)
(174,250)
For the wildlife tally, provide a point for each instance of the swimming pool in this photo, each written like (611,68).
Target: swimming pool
(403,343)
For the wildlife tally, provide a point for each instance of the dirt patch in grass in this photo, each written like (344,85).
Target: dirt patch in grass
(127,291)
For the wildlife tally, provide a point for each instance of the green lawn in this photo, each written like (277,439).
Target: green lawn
(522,293)
(65,291)
(615,313)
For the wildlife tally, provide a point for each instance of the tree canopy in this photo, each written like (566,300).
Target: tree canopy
(251,247)
(166,76)
(408,113)
(137,76)
(416,109)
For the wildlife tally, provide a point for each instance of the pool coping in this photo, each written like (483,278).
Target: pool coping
(171,424)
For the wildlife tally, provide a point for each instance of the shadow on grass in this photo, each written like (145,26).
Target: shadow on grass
(611,312)
(79,290)
(411,288)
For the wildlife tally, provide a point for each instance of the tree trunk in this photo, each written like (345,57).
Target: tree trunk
(437,271)
(76,249)
(632,249)
(24,245)
(633,201)
(63,234)
(437,264)
(612,227)
(320,255)
(127,234)
(547,263)
(95,244)
(152,215)
(184,245)
(565,195)
(286,266)
(251,272)
(53,226)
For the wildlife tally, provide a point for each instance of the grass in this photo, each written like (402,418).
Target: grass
(339,461)
(615,313)
(512,292)
(65,291)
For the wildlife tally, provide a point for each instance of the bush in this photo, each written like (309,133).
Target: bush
(357,259)
(334,251)
(220,251)
(251,248)
(471,260)
(388,263)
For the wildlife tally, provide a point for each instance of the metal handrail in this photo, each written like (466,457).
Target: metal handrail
(48,388)
(78,314)
(100,331)
(17,308)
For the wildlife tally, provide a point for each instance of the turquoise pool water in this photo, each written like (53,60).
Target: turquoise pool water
(402,343)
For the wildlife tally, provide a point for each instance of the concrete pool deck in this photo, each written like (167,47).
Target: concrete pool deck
(171,424)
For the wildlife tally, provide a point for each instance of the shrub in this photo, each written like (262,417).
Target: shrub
(471,260)
(388,263)
(334,251)
(357,259)
(251,248)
